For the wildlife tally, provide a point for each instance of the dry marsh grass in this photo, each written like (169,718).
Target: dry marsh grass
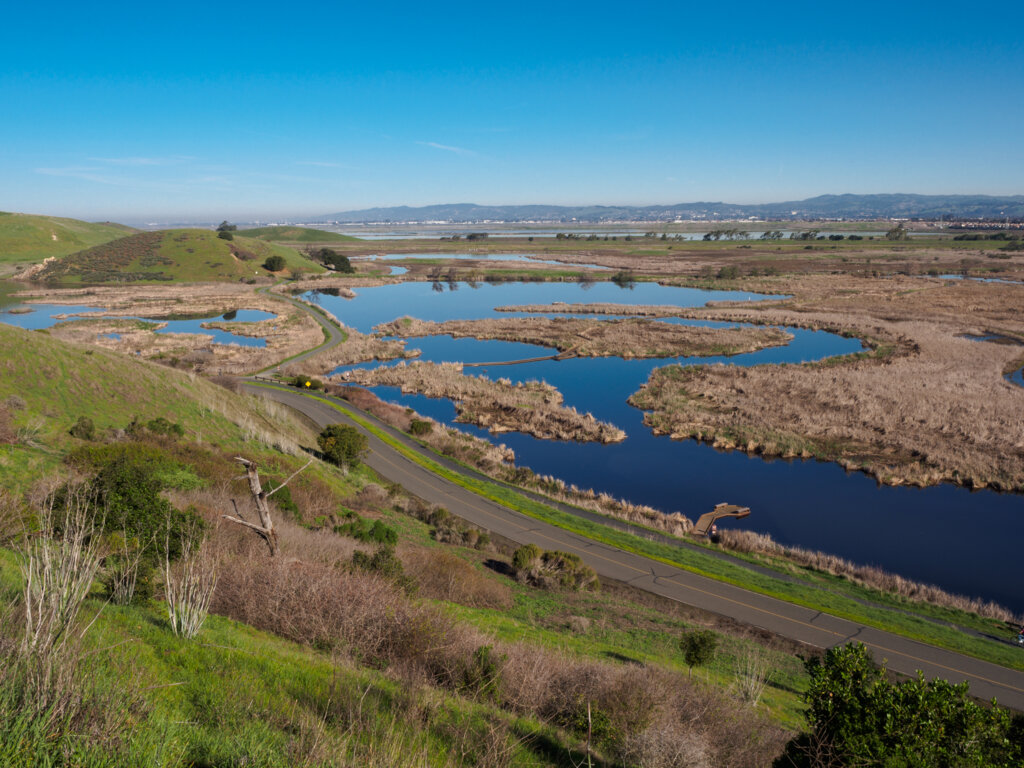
(935,408)
(628,338)
(866,575)
(534,408)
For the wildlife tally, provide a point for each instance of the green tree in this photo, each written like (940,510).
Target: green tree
(342,445)
(857,717)
(898,232)
(698,647)
(337,261)
(226,226)
(274,263)
(225,235)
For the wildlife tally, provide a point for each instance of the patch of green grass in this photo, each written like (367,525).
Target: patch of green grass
(174,255)
(27,238)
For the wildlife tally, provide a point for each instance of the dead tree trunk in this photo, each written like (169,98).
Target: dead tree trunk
(259,496)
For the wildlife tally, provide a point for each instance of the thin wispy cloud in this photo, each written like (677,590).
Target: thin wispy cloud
(319,164)
(142,161)
(455,150)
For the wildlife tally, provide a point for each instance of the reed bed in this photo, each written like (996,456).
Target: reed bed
(533,408)
(629,338)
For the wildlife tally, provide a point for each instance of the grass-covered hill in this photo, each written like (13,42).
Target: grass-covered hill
(26,238)
(295,235)
(172,255)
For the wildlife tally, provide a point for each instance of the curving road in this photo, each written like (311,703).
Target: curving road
(987,680)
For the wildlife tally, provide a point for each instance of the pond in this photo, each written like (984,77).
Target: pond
(966,542)
(45,316)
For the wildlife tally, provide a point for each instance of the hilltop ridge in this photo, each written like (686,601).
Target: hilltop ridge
(876,206)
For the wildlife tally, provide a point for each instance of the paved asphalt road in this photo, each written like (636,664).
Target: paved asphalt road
(986,680)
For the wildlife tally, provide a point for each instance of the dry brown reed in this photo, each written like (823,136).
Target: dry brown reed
(935,409)
(534,408)
(628,338)
(866,575)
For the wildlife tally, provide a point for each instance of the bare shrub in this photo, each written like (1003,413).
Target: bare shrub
(229,383)
(444,576)
(189,587)
(122,567)
(662,746)
(753,671)
(58,566)
(15,403)
(579,625)
(372,496)
(29,432)
(12,517)
(327,607)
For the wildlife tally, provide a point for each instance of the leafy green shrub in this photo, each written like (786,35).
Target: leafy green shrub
(384,562)
(550,569)
(274,263)
(224,235)
(420,427)
(525,556)
(859,718)
(362,529)
(698,647)
(83,429)
(307,382)
(161,426)
(728,273)
(342,445)
(482,675)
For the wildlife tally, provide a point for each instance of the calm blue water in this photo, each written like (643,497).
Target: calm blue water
(44,316)
(966,542)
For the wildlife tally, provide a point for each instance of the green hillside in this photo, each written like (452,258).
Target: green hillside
(432,658)
(26,238)
(295,235)
(172,255)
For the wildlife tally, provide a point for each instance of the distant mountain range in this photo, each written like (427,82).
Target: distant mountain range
(821,207)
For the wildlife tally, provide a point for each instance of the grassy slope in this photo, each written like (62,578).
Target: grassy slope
(60,382)
(27,238)
(174,255)
(238,693)
(295,235)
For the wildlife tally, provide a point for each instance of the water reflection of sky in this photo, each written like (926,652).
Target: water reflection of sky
(44,316)
(964,541)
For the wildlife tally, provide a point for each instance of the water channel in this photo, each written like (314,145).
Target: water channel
(966,542)
(45,316)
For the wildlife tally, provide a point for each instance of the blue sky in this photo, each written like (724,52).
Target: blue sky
(129,111)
